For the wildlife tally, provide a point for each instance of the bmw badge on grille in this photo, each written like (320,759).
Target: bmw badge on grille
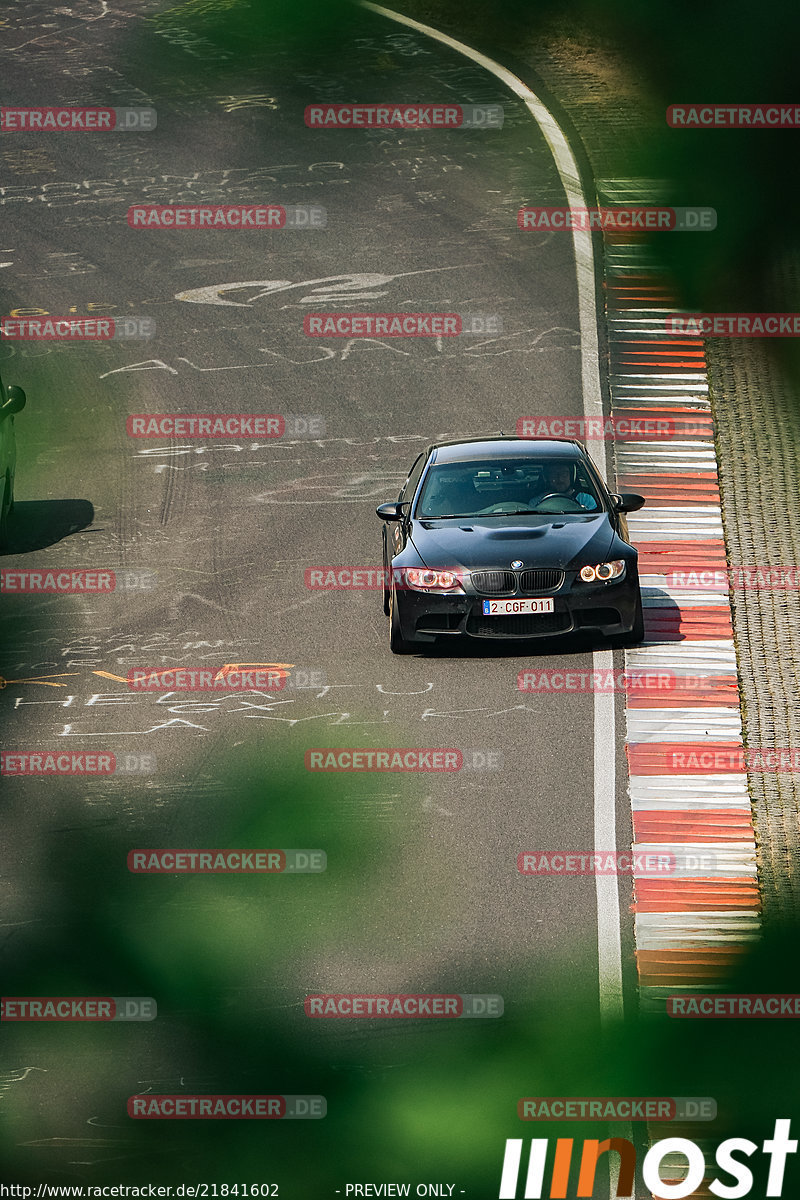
(516,563)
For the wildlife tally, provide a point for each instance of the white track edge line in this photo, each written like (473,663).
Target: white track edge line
(609,939)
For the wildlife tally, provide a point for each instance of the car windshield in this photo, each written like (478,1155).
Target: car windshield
(508,486)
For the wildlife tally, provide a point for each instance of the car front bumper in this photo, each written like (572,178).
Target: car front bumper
(606,608)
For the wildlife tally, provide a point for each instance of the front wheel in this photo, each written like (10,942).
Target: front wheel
(397,643)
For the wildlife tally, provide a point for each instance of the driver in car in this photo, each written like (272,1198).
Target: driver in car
(559,478)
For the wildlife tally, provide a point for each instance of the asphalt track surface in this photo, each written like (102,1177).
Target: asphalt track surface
(422,221)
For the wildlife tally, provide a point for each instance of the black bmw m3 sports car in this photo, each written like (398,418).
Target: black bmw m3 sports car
(504,537)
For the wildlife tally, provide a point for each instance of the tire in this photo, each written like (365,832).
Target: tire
(397,643)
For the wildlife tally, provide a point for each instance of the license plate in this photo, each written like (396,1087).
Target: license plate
(500,608)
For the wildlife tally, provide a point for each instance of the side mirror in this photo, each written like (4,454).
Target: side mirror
(15,402)
(390,512)
(627,502)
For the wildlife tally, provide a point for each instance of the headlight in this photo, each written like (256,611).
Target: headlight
(424,580)
(602,572)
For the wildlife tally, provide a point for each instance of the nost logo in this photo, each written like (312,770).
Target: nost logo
(693,1182)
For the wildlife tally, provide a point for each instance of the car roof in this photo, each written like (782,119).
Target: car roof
(506,446)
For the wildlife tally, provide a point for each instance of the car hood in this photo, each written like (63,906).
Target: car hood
(551,540)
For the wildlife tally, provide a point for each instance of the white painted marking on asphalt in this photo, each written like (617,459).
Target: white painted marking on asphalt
(342,287)
(684,399)
(625,379)
(725,783)
(630,457)
(605,830)
(683,931)
(709,723)
(665,390)
(699,510)
(691,803)
(700,658)
(700,860)
(667,531)
(656,595)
